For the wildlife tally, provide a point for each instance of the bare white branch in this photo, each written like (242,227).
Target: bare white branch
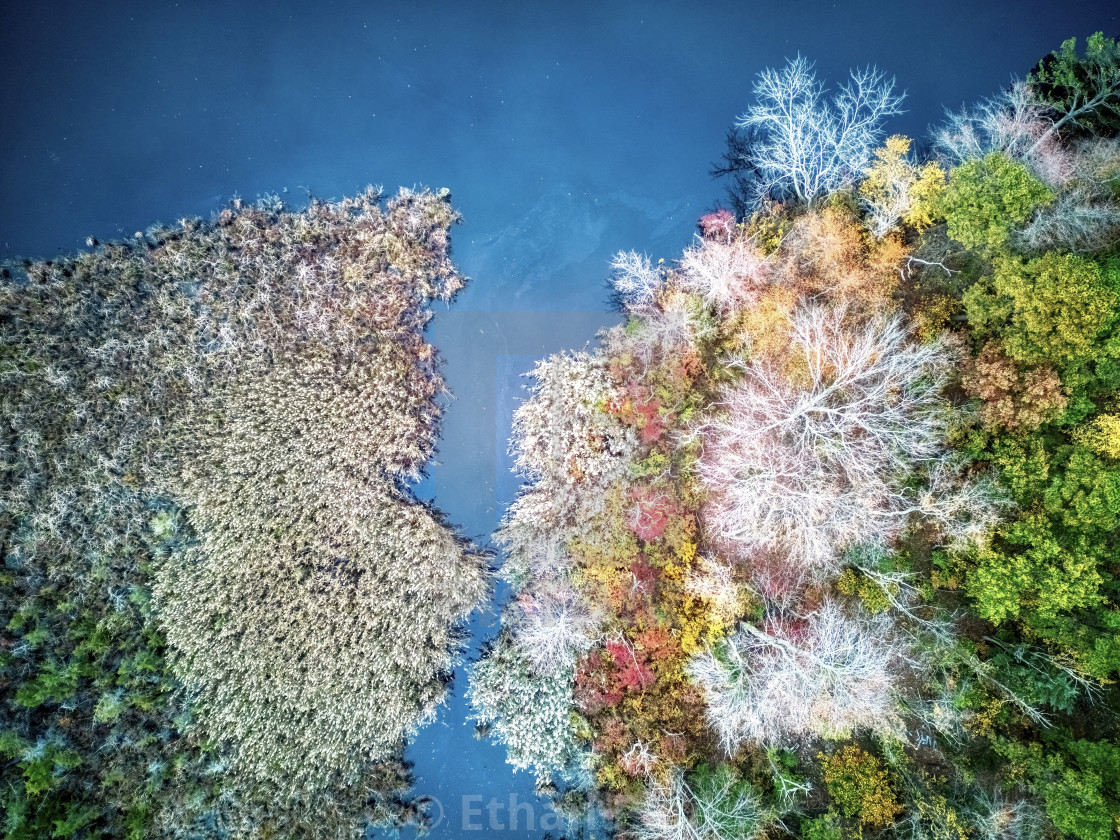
(722,810)
(825,674)
(726,273)
(635,280)
(807,146)
(553,625)
(1014,122)
(811,469)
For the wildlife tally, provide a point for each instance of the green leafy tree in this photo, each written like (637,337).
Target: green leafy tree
(1090,639)
(825,827)
(1077,780)
(1055,557)
(1085,494)
(1052,309)
(1102,436)
(986,198)
(1084,89)
(1034,676)
(1029,567)
(1052,571)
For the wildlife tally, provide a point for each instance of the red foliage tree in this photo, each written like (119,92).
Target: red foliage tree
(720,224)
(595,689)
(638,409)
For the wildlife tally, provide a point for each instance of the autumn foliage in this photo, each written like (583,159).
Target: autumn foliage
(868,486)
(759,416)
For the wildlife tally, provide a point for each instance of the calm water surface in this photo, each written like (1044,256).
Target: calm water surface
(566,132)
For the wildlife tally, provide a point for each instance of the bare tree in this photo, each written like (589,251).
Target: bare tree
(720,810)
(1084,219)
(813,467)
(670,327)
(804,146)
(676,324)
(997,816)
(537,558)
(569,448)
(640,760)
(1015,122)
(822,674)
(554,625)
(966,510)
(635,280)
(727,273)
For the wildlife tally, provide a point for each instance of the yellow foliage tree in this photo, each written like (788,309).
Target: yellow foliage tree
(1102,436)
(860,785)
(898,190)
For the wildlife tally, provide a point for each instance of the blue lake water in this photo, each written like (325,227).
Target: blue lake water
(566,132)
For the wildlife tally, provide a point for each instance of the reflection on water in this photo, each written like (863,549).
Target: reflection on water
(554,255)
